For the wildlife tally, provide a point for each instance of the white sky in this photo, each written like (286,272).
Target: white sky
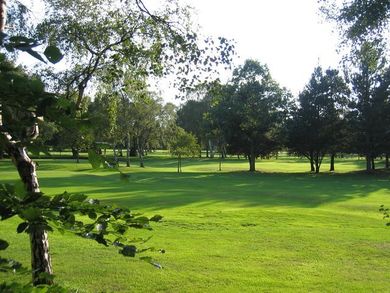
(290,36)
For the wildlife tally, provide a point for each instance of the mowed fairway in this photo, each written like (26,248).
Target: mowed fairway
(277,230)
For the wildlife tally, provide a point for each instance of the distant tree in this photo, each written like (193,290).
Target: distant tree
(103,111)
(145,110)
(370,89)
(250,110)
(315,127)
(190,118)
(183,145)
(167,125)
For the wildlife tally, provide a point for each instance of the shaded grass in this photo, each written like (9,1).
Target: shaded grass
(281,229)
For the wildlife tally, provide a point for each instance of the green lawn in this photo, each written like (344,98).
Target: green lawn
(278,230)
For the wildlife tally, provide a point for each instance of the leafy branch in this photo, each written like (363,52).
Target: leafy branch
(75,213)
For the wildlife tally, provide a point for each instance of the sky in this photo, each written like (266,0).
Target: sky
(290,36)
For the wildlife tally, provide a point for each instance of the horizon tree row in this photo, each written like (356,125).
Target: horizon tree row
(252,115)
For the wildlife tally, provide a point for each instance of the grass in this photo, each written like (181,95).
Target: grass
(278,230)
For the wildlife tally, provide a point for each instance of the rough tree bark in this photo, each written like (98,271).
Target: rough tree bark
(40,256)
(3,14)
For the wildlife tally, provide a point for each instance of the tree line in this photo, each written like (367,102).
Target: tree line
(250,115)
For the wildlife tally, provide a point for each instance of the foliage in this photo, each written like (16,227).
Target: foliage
(316,125)
(250,110)
(128,36)
(183,145)
(74,213)
(370,105)
(359,19)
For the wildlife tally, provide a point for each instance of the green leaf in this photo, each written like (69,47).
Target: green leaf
(128,250)
(92,215)
(53,54)
(31,214)
(77,197)
(143,220)
(3,244)
(22,227)
(156,218)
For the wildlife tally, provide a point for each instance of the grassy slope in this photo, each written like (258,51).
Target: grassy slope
(279,230)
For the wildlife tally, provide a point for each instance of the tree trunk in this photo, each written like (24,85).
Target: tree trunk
(312,169)
(211,147)
(115,155)
(3,14)
(317,165)
(220,161)
(332,162)
(127,150)
(76,154)
(368,163)
(373,163)
(387,161)
(40,256)
(178,164)
(252,160)
(141,159)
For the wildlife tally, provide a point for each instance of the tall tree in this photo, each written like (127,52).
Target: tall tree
(127,35)
(190,118)
(145,110)
(23,99)
(368,107)
(315,127)
(252,108)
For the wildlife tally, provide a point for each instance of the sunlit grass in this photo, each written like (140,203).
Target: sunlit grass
(280,229)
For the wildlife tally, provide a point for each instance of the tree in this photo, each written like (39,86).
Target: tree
(101,38)
(145,110)
(359,19)
(369,106)
(167,125)
(190,118)
(250,111)
(315,127)
(183,145)
(127,36)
